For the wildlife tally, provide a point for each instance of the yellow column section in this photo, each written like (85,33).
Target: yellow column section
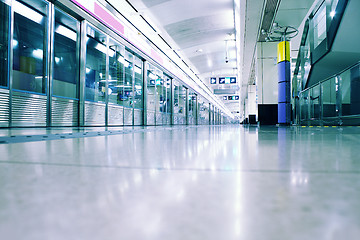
(283,51)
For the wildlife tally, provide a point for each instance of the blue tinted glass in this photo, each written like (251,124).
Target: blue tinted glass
(4,41)
(29,50)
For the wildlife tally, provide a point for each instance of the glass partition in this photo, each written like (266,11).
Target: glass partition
(203,112)
(30,52)
(304,105)
(138,84)
(192,103)
(177,107)
(95,80)
(164,94)
(65,79)
(337,96)
(168,95)
(151,88)
(116,72)
(160,93)
(4,43)
(355,90)
(345,93)
(328,96)
(315,102)
(127,93)
(305,64)
(182,101)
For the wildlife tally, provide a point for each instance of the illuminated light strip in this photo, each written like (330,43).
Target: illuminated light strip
(66,32)
(106,18)
(27,12)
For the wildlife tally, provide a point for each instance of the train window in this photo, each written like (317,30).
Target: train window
(4,47)
(116,72)
(138,84)
(30,58)
(65,80)
(95,80)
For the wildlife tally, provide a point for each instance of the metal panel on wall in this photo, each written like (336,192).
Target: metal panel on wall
(179,119)
(128,116)
(28,109)
(191,120)
(94,114)
(182,120)
(150,118)
(64,112)
(4,108)
(159,119)
(166,119)
(116,115)
(138,117)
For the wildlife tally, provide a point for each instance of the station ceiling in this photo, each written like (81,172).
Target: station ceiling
(205,33)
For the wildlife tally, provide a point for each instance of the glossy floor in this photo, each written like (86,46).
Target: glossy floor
(203,183)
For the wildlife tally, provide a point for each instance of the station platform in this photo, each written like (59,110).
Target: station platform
(185,182)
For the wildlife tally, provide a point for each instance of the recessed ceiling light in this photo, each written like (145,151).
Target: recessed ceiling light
(199,50)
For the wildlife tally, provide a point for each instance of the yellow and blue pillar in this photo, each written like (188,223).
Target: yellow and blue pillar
(283,60)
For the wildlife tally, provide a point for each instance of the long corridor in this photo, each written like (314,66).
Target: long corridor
(183,182)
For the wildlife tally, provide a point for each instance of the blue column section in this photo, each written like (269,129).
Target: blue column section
(284,107)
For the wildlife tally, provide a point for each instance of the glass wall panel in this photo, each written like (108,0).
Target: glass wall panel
(182,101)
(304,105)
(160,97)
(315,102)
(65,80)
(355,90)
(4,43)
(329,98)
(164,96)
(95,80)
(116,72)
(305,64)
(345,83)
(192,104)
(177,108)
(127,93)
(168,95)
(151,88)
(30,46)
(203,114)
(138,85)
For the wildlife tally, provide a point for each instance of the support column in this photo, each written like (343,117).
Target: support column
(284,106)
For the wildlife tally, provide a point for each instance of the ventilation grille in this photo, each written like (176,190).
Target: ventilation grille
(116,115)
(64,112)
(128,116)
(4,109)
(159,119)
(150,115)
(28,109)
(138,117)
(94,114)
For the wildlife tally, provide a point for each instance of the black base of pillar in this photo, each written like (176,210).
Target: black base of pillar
(268,114)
